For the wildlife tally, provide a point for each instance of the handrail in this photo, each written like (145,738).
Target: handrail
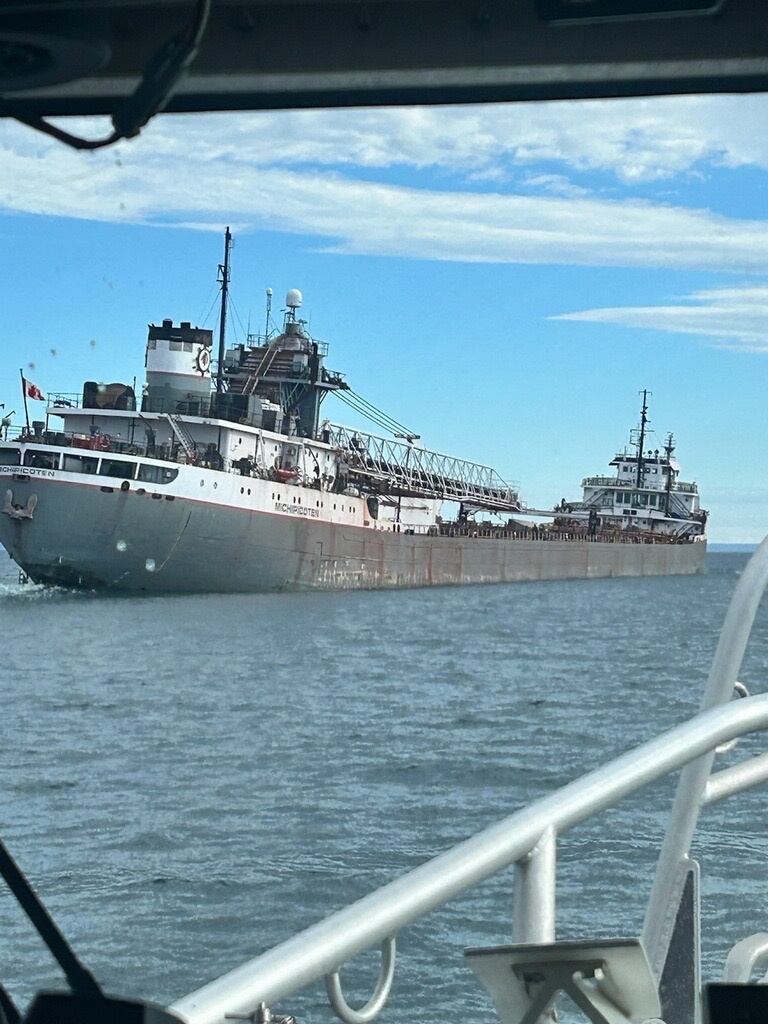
(323,947)
(668,882)
(378,917)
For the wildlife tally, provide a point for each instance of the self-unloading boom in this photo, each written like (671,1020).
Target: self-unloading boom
(401,467)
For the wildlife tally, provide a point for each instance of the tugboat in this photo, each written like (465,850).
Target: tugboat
(645,496)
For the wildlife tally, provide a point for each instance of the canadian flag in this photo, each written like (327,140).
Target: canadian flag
(33,391)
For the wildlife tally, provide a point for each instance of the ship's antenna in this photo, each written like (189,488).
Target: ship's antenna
(223,278)
(269,314)
(643,424)
(669,447)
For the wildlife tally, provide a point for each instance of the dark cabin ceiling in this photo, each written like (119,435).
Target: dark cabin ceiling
(64,57)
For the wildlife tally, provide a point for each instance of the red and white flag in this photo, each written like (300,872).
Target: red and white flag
(33,391)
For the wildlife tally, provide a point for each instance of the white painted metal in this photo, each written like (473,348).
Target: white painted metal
(734,780)
(745,957)
(662,906)
(320,949)
(534,892)
(611,982)
(373,1007)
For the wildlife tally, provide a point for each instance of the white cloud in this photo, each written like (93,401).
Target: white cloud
(635,140)
(732,318)
(556,184)
(310,172)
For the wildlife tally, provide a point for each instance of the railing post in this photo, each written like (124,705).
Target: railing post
(671,869)
(534,895)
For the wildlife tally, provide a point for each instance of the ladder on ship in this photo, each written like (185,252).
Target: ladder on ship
(402,468)
(253,378)
(184,437)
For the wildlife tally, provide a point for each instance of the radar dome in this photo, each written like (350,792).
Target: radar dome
(293,299)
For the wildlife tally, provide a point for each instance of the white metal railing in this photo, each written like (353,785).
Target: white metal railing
(527,839)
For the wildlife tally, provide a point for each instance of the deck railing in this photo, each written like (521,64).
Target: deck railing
(629,485)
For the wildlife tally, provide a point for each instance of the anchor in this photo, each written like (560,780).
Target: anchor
(19,511)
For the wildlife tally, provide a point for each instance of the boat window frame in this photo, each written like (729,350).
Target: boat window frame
(7,450)
(159,474)
(129,464)
(33,455)
(81,460)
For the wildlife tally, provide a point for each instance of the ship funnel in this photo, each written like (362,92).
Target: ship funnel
(178,363)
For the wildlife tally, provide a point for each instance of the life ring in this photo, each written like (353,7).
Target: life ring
(203,360)
(102,442)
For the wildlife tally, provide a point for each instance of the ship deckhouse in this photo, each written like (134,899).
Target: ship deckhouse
(646,492)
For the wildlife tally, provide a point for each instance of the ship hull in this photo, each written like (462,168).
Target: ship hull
(109,539)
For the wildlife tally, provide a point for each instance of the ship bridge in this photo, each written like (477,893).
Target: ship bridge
(401,468)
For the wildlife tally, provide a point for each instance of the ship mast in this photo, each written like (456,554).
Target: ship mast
(669,448)
(223,278)
(641,441)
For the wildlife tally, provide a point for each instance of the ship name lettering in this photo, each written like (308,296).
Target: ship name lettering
(26,471)
(296,510)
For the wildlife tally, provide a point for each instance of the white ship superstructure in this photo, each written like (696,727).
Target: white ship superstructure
(646,493)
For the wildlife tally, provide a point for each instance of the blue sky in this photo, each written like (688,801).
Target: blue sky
(501,279)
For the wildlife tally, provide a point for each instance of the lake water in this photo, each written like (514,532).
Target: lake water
(189,780)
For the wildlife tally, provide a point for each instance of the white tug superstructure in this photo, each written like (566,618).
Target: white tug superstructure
(223,476)
(646,492)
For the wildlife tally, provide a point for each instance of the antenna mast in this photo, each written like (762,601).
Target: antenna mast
(641,441)
(224,280)
(669,448)
(269,314)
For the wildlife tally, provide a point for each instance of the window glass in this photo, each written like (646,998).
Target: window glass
(79,463)
(10,457)
(174,346)
(156,474)
(42,460)
(119,468)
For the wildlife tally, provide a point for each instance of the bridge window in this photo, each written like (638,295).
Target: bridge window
(41,460)
(79,463)
(10,457)
(156,474)
(118,468)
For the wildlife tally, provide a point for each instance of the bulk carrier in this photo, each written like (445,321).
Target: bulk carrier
(231,481)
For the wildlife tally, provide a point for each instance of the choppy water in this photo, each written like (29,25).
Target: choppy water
(189,780)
